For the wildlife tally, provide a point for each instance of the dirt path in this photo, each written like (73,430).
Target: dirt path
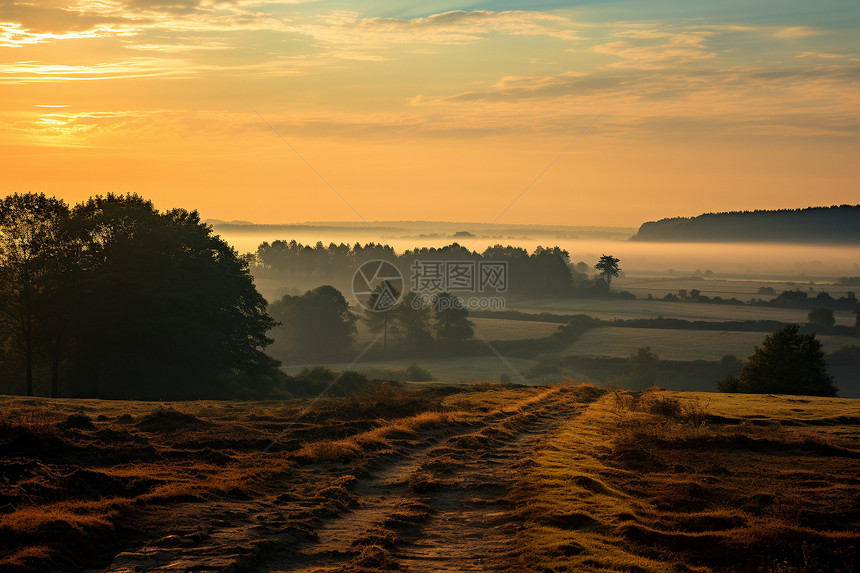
(441,508)
(439,505)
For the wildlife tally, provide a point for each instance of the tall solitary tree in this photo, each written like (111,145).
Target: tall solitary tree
(608,267)
(380,310)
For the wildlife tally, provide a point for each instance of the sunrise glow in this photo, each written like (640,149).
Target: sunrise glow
(435,110)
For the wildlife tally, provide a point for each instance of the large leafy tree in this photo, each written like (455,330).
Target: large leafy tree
(316,324)
(167,306)
(787,362)
(33,257)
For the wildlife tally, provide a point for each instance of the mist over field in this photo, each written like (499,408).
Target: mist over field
(759,259)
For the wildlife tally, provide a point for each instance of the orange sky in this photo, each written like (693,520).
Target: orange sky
(439,112)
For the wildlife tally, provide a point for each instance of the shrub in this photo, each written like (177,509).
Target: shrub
(729,384)
(642,368)
(665,407)
(821,318)
(416,373)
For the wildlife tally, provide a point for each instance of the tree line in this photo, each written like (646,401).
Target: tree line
(113,298)
(544,272)
(836,224)
(821,306)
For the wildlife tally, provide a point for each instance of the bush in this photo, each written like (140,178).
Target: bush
(665,407)
(642,368)
(316,380)
(729,384)
(821,318)
(415,373)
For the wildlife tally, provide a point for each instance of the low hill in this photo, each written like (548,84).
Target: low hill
(836,224)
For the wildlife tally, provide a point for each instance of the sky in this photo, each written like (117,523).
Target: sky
(583,113)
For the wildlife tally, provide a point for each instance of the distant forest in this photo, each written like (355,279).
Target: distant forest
(836,224)
(544,272)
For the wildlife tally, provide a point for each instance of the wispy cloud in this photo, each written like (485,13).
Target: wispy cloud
(14,35)
(142,67)
(179,48)
(449,28)
(32,72)
(793,32)
(66,128)
(656,49)
(821,100)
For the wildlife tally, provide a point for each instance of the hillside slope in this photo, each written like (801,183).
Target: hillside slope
(835,225)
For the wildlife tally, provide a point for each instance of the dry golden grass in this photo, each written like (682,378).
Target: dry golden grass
(118,462)
(657,481)
(683,482)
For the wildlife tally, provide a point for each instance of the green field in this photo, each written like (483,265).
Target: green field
(678,344)
(740,287)
(625,309)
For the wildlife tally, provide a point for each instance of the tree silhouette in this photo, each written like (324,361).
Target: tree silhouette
(452,320)
(313,324)
(167,308)
(380,310)
(608,267)
(857,320)
(413,316)
(821,318)
(32,229)
(642,368)
(786,363)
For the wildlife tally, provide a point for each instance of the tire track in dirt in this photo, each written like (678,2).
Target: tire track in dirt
(443,507)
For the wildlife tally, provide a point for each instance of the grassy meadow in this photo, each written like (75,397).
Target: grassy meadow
(561,478)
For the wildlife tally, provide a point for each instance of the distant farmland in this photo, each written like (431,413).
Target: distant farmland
(678,344)
(625,309)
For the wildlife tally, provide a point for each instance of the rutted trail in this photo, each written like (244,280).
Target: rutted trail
(443,507)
